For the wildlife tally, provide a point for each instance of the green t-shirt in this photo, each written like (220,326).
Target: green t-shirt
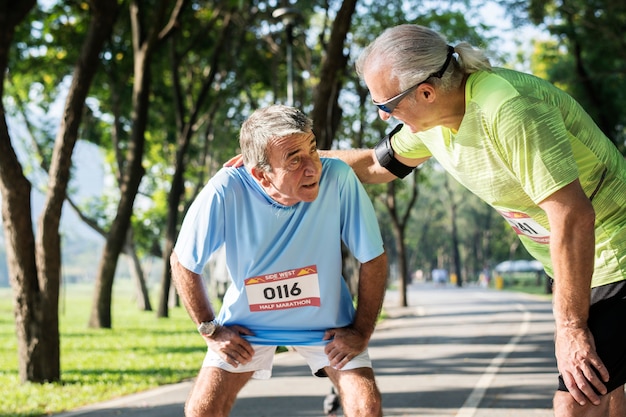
(522,139)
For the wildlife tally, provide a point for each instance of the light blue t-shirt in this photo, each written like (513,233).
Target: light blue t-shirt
(284,263)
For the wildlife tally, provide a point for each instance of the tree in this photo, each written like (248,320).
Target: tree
(145,41)
(588,58)
(451,198)
(399,222)
(187,124)
(35,263)
(326,113)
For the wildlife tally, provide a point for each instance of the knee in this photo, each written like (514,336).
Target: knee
(192,409)
(372,408)
(566,406)
(195,408)
(362,403)
(365,407)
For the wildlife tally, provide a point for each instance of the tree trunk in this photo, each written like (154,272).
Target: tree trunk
(186,131)
(399,224)
(133,170)
(131,178)
(17,224)
(20,251)
(326,113)
(586,80)
(35,265)
(136,273)
(456,256)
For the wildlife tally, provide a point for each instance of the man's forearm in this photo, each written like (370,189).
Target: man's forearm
(572,256)
(572,249)
(363,163)
(371,293)
(192,292)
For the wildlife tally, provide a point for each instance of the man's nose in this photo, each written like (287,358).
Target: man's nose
(311,167)
(384,115)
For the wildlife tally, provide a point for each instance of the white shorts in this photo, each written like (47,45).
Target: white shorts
(263,360)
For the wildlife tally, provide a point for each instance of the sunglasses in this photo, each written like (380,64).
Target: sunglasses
(390,105)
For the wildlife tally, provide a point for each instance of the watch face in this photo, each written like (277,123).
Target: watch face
(207,328)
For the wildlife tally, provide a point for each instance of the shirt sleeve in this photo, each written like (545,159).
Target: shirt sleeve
(359,225)
(202,230)
(410,145)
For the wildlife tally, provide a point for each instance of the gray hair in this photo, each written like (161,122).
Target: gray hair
(412,53)
(265,124)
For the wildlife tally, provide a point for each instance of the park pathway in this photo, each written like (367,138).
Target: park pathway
(455,352)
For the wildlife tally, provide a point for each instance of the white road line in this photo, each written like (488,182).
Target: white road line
(470,406)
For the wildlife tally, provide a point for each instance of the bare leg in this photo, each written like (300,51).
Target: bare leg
(358,392)
(214,392)
(612,405)
(617,407)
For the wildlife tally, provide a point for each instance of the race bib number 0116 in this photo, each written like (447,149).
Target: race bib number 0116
(283,290)
(526,226)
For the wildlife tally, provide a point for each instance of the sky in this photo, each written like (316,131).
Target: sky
(510,39)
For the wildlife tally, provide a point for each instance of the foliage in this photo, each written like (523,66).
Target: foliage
(251,75)
(361,126)
(593,72)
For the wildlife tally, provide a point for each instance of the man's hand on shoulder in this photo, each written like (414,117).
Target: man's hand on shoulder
(235,162)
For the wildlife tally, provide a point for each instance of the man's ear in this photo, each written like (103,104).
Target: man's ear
(260,175)
(427,92)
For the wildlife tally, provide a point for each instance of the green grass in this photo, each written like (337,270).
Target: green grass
(140,352)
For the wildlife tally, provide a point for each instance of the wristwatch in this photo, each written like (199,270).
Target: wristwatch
(208,328)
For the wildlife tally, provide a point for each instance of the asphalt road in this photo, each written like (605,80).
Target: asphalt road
(458,352)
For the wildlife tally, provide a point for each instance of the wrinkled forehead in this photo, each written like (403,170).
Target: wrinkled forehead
(284,147)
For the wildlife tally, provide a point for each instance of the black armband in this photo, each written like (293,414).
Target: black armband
(386,158)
